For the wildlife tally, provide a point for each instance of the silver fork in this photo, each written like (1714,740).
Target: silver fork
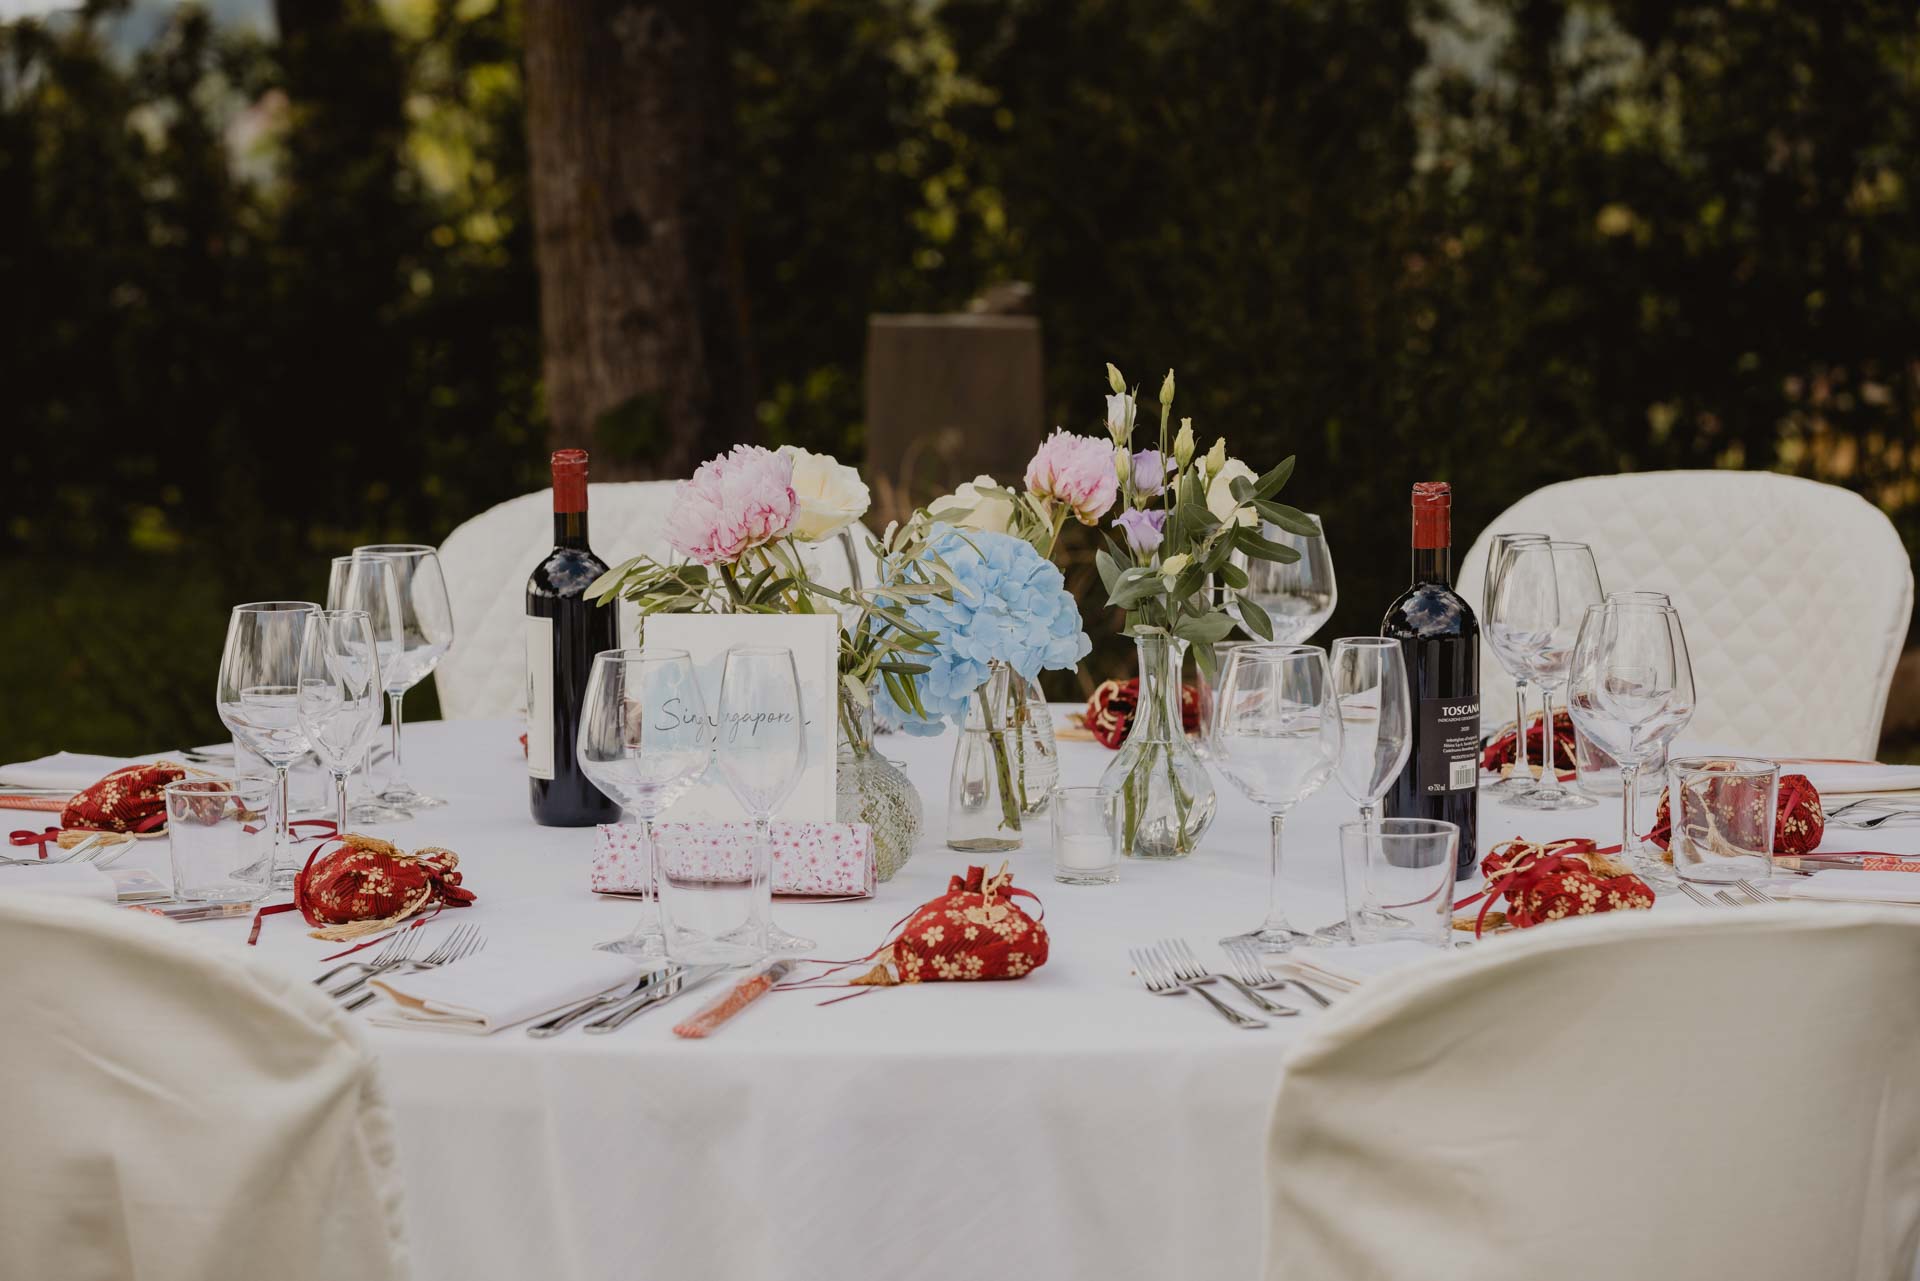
(1188,969)
(401,949)
(1254,973)
(1686,887)
(1755,893)
(463,942)
(1157,977)
(395,949)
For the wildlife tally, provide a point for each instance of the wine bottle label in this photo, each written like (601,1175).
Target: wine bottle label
(1449,745)
(539,696)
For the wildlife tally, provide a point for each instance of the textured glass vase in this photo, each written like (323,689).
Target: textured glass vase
(1166,798)
(873,790)
(983,800)
(1036,757)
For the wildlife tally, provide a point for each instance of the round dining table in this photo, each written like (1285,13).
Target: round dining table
(1065,1125)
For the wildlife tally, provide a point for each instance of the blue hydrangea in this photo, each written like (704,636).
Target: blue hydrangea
(1011,604)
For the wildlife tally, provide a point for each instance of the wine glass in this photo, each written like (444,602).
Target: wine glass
(1630,689)
(761,753)
(1299,595)
(1276,734)
(642,741)
(1544,591)
(256,694)
(370,592)
(1205,688)
(340,694)
(419,631)
(1521,779)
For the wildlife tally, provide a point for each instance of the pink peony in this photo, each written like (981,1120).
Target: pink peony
(1075,470)
(734,502)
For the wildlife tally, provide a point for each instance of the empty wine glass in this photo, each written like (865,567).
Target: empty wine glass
(1544,591)
(1298,596)
(257,696)
(370,591)
(1276,734)
(643,741)
(1205,688)
(420,631)
(761,752)
(1522,777)
(340,694)
(1630,689)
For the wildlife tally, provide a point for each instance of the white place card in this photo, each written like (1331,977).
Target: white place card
(815,642)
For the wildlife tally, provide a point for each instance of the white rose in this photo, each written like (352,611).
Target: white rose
(982,503)
(1220,500)
(832,495)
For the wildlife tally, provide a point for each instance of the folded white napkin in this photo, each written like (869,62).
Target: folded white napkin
(68,880)
(499,988)
(1851,887)
(70,770)
(1836,780)
(1344,968)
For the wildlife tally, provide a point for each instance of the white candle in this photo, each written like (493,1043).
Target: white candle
(1085,853)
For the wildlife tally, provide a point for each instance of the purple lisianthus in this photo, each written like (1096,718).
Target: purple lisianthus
(1143,528)
(1149,473)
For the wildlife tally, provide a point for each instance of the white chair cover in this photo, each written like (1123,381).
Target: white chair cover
(1657,1095)
(174,1111)
(1795,595)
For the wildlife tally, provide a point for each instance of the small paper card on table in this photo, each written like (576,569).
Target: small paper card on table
(811,860)
(815,642)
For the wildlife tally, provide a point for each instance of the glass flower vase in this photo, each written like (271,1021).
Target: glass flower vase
(983,801)
(1036,756)
(1166,798)
(873,790)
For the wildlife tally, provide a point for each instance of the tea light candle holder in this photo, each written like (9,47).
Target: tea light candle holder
(1086,836)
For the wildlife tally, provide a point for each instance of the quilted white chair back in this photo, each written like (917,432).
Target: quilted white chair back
(1643,1094)
(1795,597)
(486,561)
(174,1111)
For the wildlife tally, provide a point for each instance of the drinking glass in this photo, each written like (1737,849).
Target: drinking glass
(1376,717)
(370,584)
(1522,777)
(761,753)
(1723,812)
(1630,690)
(339,698)
(1086,836)
(643,741)
(1276,734)
(218,839)
(1203,692)
(1299,595)
(1544,591)
(256,696)
(418,631)
(1398,877)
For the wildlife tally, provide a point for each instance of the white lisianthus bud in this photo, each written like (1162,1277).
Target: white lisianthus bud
(1172,567)
(1216,457)
(1166,390)
(1121,464)
(1183,444)
(1114,380)
(1120,418)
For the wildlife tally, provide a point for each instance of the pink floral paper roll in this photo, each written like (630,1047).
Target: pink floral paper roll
(810,859)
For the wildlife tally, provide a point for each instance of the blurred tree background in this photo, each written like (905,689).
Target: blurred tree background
(268,289)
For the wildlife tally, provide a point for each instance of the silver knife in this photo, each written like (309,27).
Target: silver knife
(573,1014)
(680,981)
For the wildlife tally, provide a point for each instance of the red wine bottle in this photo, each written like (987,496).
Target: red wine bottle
(1440,638)
(564,631)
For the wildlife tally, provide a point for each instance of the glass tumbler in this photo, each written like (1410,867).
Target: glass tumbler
(220,837)
(1086,836)
(1722,810)
(1398,874)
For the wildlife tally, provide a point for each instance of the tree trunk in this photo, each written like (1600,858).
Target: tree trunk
(642,305)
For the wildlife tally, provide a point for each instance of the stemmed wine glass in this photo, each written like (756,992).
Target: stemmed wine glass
(1630,689)
(1298,596)
(761,754)
(1521,779)
(340,694)
(642,741)
(421,630)
(1376,731)
(374,590)
(256,694)
(1276,734)
(1544,591)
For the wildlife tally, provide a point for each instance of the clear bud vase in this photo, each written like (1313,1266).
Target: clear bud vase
(1036,756)
(983,804)
(873,790)
(1166,798)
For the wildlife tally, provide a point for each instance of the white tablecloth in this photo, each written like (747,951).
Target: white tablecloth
(1066,1125)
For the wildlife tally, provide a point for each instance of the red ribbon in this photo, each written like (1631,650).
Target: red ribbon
(41,839)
